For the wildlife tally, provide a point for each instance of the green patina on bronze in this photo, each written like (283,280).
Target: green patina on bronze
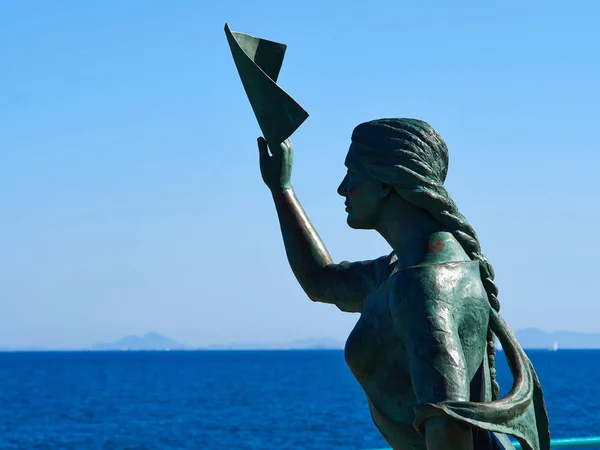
(259,62)
(423,348)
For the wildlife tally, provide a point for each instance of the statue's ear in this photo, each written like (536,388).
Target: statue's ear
(385,190)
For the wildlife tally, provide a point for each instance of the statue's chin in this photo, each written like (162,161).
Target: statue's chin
(360,223)
(353,223)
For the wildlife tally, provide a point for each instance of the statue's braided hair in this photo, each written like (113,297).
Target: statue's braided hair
(410,156)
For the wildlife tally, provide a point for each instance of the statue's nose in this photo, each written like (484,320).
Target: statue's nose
(341,190)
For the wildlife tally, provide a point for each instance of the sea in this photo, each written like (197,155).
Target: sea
(231,399)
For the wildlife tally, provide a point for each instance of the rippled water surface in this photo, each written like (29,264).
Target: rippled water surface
(219,400)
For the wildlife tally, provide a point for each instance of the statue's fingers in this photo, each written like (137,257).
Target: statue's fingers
(263,149)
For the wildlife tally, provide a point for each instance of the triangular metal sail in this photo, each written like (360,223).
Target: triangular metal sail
(258,62)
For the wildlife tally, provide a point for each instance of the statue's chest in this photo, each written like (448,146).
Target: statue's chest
(372,342)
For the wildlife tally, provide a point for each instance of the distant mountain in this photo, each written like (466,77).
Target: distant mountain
(150,341)
(532,338)
(303,344)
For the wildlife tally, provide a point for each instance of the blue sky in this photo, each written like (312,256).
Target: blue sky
(130,192)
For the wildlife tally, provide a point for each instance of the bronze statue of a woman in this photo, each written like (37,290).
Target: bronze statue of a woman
(423,348)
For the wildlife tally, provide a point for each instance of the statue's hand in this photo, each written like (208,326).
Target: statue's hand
(276,168)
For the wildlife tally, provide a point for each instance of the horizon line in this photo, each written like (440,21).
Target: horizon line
(215,350)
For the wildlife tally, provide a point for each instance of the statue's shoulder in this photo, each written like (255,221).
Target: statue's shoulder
(433,286)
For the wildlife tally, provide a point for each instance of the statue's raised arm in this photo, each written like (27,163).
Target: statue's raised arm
(259,62)
(346,284)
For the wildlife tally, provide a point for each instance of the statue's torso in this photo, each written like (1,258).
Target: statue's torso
(376,350)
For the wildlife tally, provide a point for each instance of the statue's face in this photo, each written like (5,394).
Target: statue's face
(363,194)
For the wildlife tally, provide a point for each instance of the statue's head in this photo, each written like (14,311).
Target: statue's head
(391,157)
(407,161)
